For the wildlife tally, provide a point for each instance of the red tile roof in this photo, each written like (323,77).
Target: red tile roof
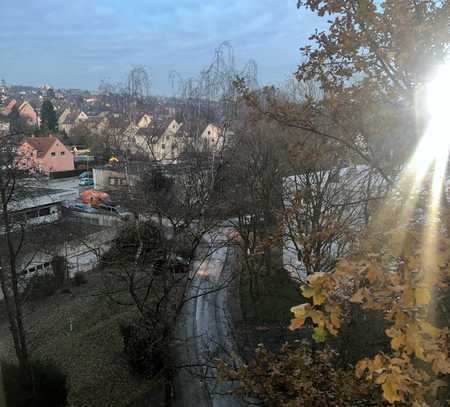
(41,144)
(6,110)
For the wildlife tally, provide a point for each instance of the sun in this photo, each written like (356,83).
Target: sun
(434,146)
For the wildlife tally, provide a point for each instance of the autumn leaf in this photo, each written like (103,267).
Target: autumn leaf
(358,297)
(319,334)
(316,293)
(361,367)
(391,389)
(300,314)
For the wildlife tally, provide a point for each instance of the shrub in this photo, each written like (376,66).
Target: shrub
(49,381)
(145,353)
(79,278)
(42,285)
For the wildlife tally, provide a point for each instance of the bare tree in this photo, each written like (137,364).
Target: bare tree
(13,227)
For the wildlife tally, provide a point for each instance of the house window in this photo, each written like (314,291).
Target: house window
(31,270)
(39,267)
(53,154)
(44,211)
(63,153)
(163,146)
(209,132)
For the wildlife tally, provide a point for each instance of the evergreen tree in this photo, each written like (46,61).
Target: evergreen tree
(49,121)
(15,120)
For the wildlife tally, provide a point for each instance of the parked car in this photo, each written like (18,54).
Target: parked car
(86,174)
(115,209)
(84,208)
(86,182)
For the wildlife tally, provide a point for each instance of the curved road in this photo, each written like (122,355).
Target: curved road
(205,331)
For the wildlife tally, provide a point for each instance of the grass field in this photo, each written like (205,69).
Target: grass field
(79,332)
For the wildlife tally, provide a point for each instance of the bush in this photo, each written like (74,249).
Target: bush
(50,386)
(145,354)
(42,286)
(79,278)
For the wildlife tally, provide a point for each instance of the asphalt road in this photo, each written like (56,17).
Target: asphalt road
(205,331)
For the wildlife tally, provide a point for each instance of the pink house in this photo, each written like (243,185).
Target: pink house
(44,154)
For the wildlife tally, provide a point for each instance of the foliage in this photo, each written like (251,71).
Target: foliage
(299,376)
(49,121)
(79,278)
(395,273)
(42,285)
(50,386)
(372,63)
(144,243)
(145,347)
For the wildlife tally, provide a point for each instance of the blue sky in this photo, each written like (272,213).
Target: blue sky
(77,43)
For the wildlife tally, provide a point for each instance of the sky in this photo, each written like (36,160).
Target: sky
(78,43)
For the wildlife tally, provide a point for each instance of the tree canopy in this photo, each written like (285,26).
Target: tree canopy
(49,121)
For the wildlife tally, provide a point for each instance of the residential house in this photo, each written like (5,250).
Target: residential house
(212,138)
(27,112)
(144,121)
(6,110)
(44,154)
(4,124)
(166,146)
(33,206)
(70,118)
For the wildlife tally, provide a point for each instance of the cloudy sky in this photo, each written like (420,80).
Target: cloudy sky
(78,43)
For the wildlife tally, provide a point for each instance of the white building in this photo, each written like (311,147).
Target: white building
(32,206)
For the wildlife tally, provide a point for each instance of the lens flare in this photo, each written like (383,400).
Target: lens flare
(435,144)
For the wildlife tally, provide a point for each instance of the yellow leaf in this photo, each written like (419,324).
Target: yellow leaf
(316,293)
(317,279)
(307,292)
(377,364)
(381,378)
(300,311)
(296,324)
(361,367)
(300,314)
(398,342)
(391,390)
